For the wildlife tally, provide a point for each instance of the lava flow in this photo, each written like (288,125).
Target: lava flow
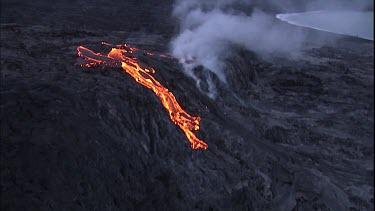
(118,57)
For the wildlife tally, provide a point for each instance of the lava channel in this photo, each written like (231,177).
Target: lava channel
(117,57)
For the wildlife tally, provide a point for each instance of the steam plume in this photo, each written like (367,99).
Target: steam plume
(209,28)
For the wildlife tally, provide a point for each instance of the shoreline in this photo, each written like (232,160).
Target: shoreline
(285,17)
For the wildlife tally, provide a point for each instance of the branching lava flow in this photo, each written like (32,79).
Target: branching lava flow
(117,57)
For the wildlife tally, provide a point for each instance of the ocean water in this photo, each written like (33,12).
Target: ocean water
(352,23)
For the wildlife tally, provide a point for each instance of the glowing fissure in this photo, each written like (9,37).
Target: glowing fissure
(117,57)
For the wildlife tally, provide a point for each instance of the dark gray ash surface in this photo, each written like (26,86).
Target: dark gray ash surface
(283,135)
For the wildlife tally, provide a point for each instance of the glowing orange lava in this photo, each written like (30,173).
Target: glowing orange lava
(117,57)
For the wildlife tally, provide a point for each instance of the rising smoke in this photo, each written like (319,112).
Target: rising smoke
(209,28)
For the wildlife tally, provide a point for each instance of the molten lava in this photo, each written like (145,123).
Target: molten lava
(118,57)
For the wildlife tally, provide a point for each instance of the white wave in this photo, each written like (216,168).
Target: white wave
(352,23)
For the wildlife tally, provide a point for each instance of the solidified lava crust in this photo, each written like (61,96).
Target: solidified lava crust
(283,134)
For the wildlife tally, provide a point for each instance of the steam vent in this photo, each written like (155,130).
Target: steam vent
(187,105)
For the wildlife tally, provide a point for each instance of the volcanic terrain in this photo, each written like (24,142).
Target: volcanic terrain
(282,133)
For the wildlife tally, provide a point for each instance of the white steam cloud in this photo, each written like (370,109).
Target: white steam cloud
(209,28)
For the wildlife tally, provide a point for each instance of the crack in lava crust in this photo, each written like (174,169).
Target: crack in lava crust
(117,57)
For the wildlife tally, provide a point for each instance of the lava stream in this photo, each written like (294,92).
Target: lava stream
(117,57)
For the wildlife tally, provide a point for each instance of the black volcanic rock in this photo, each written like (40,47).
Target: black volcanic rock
(282,135)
